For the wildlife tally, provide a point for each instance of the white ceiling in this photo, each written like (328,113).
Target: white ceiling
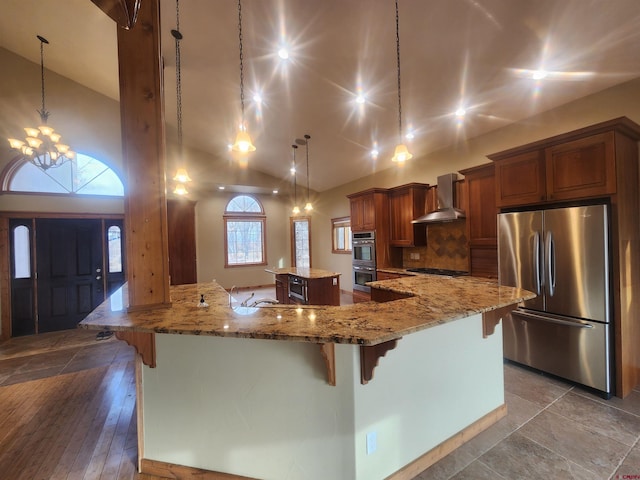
(451,51)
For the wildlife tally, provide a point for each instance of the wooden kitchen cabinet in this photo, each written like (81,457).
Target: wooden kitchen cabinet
(324,291)
(363,212)
(282,288)
(568,170)
(389,276)
(406,203)
(482,219)
(370,211)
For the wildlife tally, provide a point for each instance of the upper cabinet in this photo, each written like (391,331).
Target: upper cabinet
(573,166)
(363,212)
(406,203)
(481,220)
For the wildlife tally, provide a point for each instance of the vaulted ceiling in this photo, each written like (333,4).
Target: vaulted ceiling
(477,54)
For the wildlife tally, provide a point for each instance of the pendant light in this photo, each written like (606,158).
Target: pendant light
(243,142)
(42,145)
(308,207)
(181,176)
(401,153)
(296,209)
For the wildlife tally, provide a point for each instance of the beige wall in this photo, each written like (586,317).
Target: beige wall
(615,102)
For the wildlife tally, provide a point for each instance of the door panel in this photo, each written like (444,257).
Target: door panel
(520,253)
(578,280)
(69,267)
(23,315)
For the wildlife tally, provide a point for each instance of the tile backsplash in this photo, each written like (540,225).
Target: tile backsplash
(446,248)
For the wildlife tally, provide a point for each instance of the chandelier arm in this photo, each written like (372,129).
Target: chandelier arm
(398,63)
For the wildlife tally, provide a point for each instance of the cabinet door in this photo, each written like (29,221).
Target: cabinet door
(368,212)
(282,287)
(356,214)
(520,180)
(481,216)
(181,221)
(401,213)
(582,168)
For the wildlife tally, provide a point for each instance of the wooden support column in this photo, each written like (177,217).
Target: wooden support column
(143,143)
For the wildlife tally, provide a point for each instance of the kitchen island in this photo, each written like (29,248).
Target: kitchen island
(224,396)
(306,286)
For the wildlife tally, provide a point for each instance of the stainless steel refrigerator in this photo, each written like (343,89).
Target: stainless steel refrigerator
(562,254)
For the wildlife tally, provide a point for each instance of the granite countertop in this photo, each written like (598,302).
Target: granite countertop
(436,300)
(303,272)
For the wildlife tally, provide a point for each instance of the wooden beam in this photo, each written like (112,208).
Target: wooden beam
(143,143)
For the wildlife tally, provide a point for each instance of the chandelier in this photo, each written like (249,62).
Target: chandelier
(243,142)
(42,145)
(401,153)
(181,176)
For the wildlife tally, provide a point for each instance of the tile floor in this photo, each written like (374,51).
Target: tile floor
(553,430)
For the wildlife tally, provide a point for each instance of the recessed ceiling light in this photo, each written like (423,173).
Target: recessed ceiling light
(283,53)
(293,170)
(539,74)
(221,187)
(360,99)
(460,112)
(229,147)
(275,192)
(374,153)
(257,98)
(409,136)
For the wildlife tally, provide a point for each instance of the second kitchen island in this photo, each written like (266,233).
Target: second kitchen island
(288,392)
(306,286)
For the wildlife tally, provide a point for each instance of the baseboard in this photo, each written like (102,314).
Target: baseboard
(180,472)
(408,472)
(423,462)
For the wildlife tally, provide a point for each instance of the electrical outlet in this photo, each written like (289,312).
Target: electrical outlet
(335,281)
(414,256)
(372,442)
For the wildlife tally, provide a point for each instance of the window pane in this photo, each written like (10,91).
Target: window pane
(244,242)
(21,252)
(244,203)
(302,250)
(114,247)
(85,175)
(341,230)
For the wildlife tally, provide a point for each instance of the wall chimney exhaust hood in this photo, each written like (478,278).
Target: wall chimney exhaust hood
(446,211)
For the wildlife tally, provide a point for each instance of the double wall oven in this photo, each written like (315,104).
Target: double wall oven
(364,259)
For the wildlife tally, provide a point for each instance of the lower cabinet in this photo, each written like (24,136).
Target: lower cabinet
(282,289)
(320,291)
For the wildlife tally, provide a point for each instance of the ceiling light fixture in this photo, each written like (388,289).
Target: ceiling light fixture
(181,176)
(42,145)
(401,153)
(243,142)
(296,209)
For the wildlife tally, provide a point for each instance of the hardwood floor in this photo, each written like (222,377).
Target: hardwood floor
(67,408)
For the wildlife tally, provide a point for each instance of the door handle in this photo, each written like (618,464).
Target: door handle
(98,277)
(551,263)
(536,262)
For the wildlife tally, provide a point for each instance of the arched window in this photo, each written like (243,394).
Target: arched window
(244,232)
(83,176)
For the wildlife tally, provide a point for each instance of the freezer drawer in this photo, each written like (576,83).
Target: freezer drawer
(573,349)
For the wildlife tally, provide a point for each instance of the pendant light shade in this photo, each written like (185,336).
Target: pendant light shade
(401,153)
(182,176)
(243,143)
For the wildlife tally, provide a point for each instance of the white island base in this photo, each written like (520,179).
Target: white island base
(263,408)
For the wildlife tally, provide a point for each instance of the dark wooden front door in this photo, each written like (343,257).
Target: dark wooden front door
(70,270)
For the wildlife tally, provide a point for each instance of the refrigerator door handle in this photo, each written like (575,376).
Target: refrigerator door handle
(538,281)
(545,318)
(551,263)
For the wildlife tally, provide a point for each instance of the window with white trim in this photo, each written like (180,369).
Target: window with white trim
(244,232)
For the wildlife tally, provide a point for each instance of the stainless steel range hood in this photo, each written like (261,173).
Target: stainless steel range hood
(446,211)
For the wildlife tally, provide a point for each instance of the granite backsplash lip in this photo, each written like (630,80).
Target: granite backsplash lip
(434,301)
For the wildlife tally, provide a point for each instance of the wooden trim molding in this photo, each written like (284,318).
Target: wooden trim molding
(328,351)
(144,343)
(491,318)
(5,280)
(170,470)
(370,356)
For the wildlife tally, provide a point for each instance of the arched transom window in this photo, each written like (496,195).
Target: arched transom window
(244,232)
(84,176)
